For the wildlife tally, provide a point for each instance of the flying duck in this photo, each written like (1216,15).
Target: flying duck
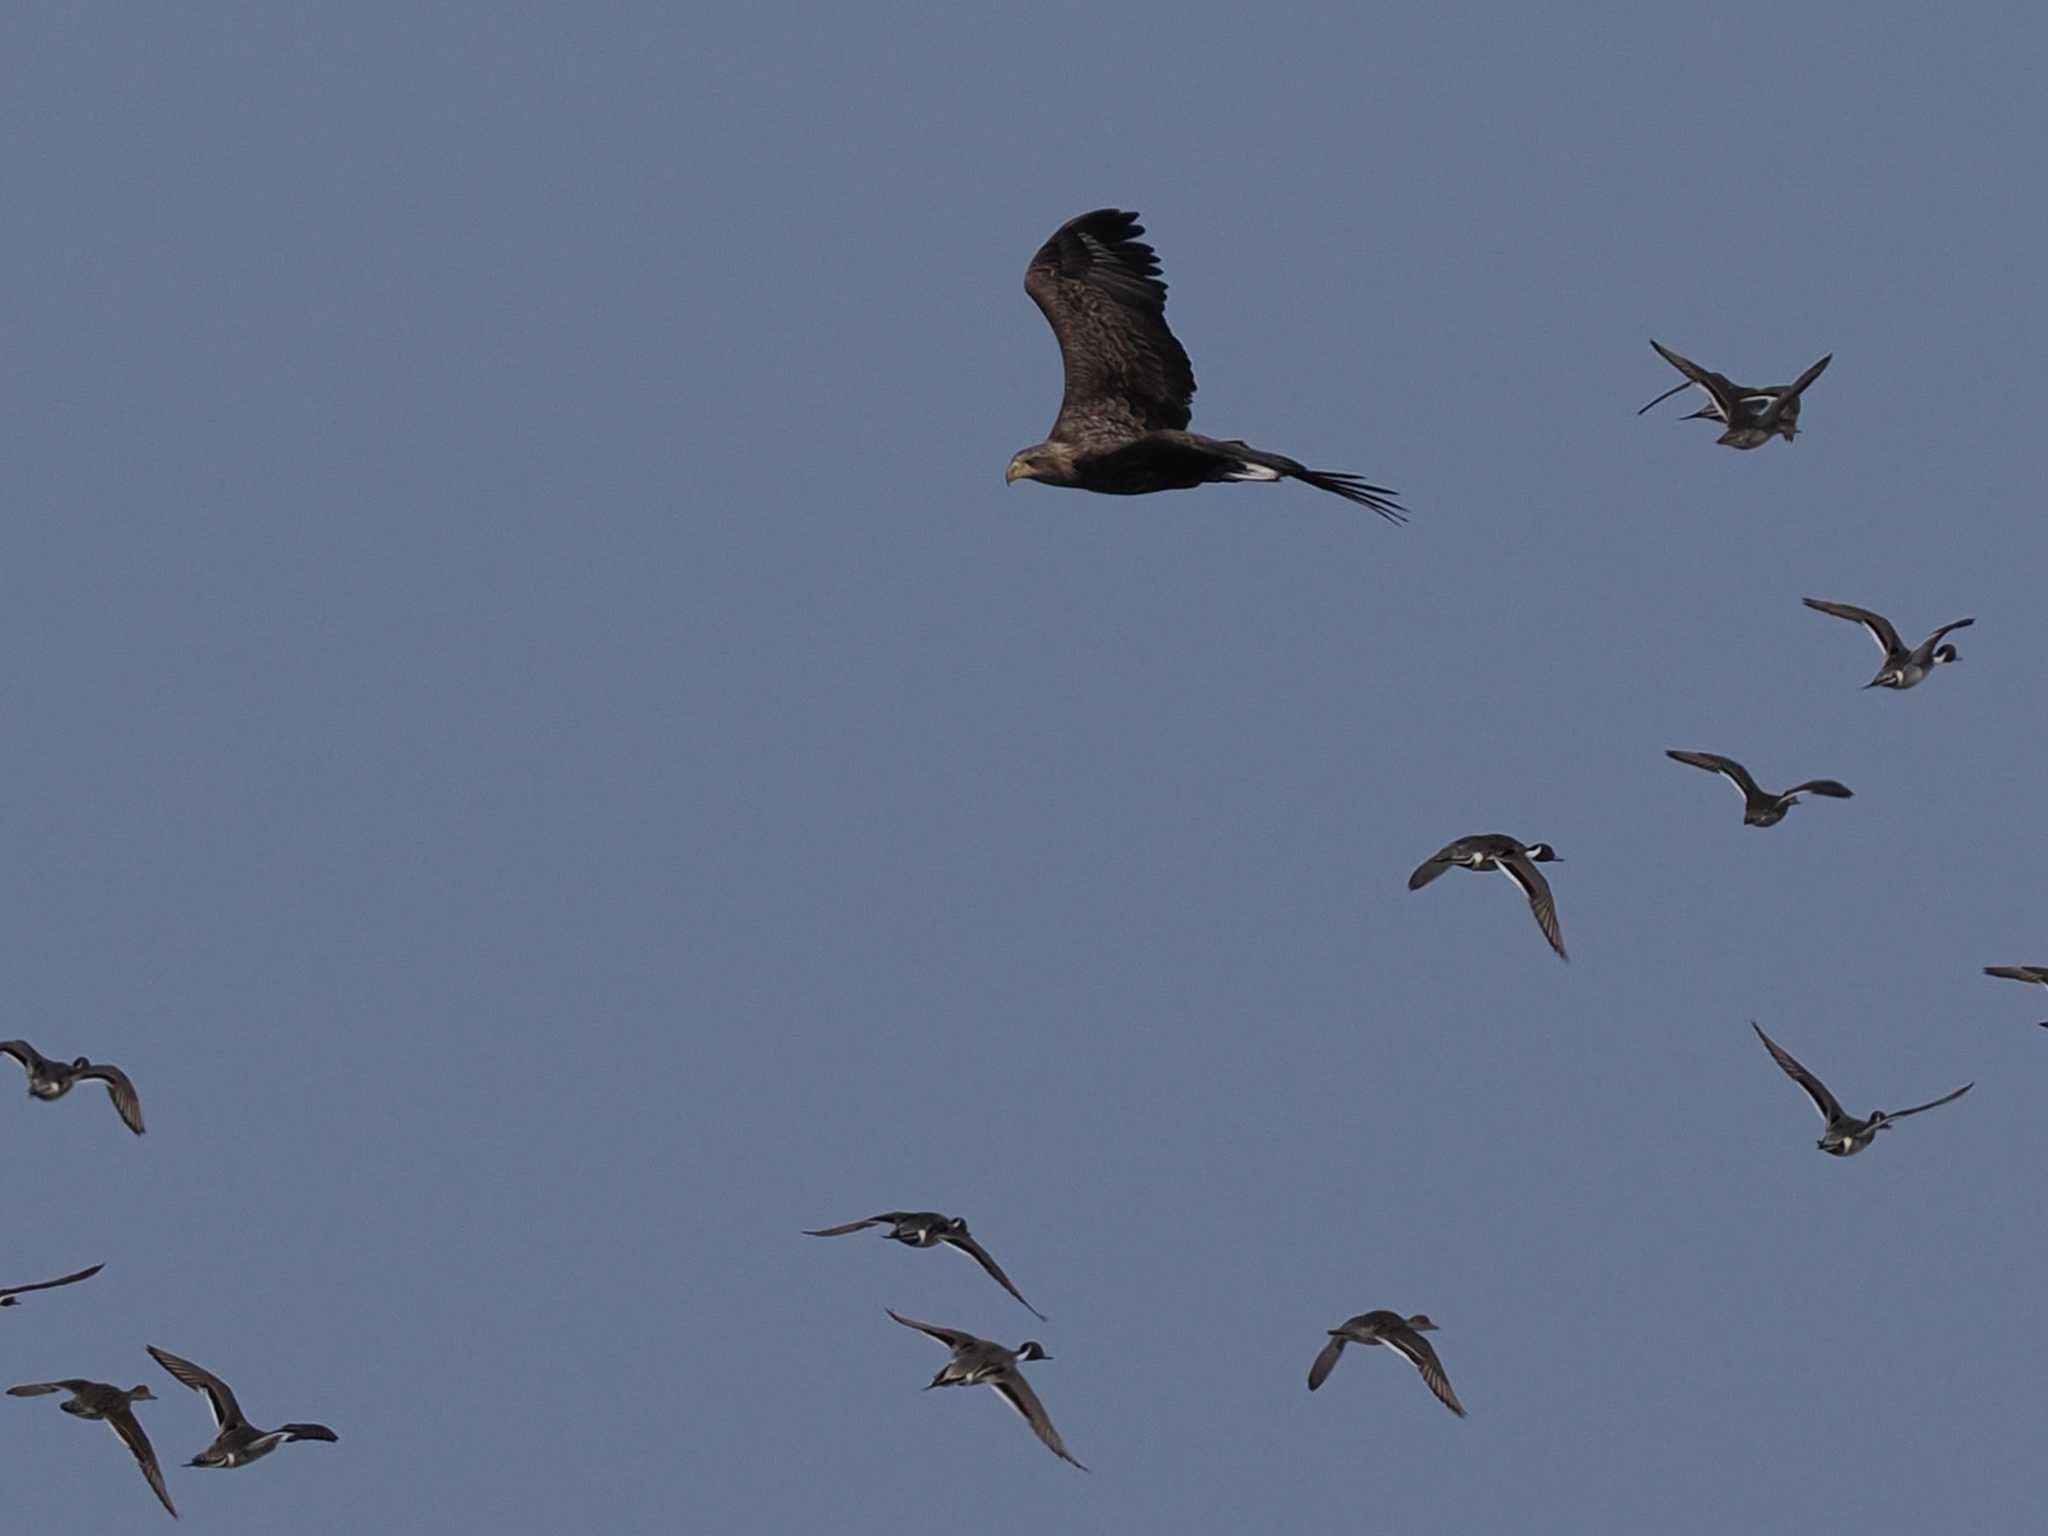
(2033,973)
(1752,416)
(1516,860)
(238,1442)
(926,1229)
(982,1363)
(1845,1135)
(1402,1334)
(1760,807)
(98,1400)
(7,1296)
(48,1079)
(1903,666)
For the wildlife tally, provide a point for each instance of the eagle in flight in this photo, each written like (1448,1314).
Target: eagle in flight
(1122,426)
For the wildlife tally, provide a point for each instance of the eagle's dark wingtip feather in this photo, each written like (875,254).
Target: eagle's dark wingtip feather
(1078,248)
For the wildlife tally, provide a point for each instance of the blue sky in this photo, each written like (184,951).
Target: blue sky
(541,740)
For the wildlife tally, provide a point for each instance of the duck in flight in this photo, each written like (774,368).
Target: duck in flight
(49,1079)
(1122,425)
(1844,1135)
(1903,665)
(1513,858)
(1403,1335)
(99,1400)
(1760,807)
(982,1363)
(7,1296)
(926,1229)
(238,1442)
(1752,416)
(2033,973)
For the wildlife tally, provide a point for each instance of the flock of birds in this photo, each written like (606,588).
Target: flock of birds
(236,1442)
(1122,430)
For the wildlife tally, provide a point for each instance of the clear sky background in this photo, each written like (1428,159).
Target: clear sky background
(538,735)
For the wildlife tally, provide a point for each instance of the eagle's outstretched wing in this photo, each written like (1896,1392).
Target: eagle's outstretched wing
(1098,286)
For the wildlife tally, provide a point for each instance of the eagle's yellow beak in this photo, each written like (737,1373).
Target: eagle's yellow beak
(1018,470)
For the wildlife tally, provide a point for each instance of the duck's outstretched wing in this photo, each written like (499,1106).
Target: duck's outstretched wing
(2034,973)
(952,1338)
(1016,1391)
(1825,1103)
(966,1244)
(123,1422)
(1419,1354)
(127,1104)
(1880,627)
(44,1285)
(1529,879)
(1722,390)
(1326,1361)
(1789,396)
(226,1411)
(1946,1098)
(1934,639)
(1431,867)
(1834,789)
(853,1226)
(1727,767)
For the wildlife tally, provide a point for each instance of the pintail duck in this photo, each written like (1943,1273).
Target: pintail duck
(7,1296)
(2033,973)
(1402,1334)
(1903,666)
(98,1400)
(1760,807)
(1845,1135)
(927,1229)
(982,1363)
(1516,860)
(1752,416)
(239,1442)
(48,1079)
